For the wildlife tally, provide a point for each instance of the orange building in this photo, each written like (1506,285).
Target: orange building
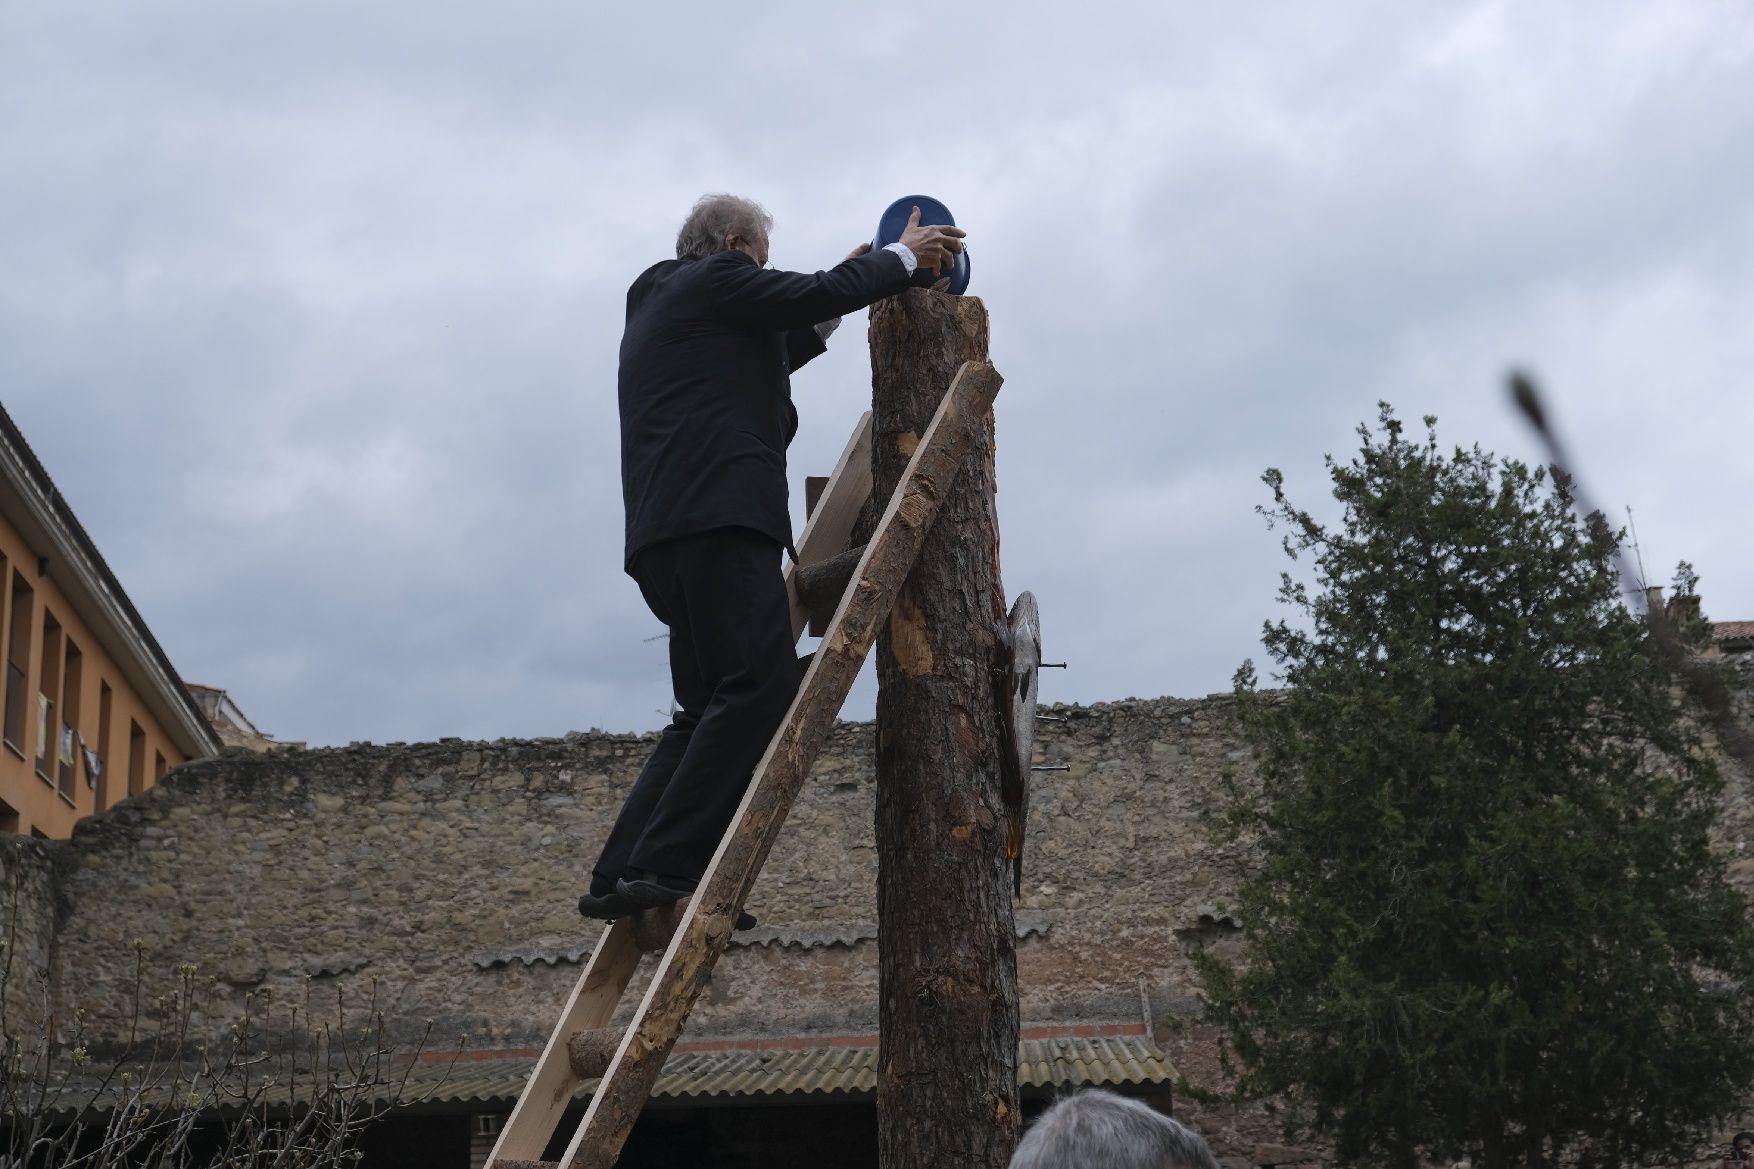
(91,711)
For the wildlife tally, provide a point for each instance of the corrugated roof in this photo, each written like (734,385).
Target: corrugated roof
(851,933)
(826,1069)
(1050,1056)
(552,952)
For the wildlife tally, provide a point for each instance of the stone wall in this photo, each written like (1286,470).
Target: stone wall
(1736,828)
(445,874)
(29,888)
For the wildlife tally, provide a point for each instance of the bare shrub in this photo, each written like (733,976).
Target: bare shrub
(281,1089)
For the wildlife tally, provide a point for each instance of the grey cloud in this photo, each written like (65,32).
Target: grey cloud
(312,310)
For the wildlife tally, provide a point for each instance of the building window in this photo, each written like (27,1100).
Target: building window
(18,664)
(8,817)
(158,767)
(136,758)
(72,681)
(102,781)
(48,698)
(5,621)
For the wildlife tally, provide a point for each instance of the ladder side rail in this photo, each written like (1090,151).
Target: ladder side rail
(591,1005)
(705,928)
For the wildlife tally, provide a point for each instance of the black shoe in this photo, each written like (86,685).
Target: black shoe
(609,907)
(659,890)
(654,889)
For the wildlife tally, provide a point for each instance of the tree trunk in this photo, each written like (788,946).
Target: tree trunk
(947,1061)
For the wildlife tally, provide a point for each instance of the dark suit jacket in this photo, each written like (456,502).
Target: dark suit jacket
(705,389)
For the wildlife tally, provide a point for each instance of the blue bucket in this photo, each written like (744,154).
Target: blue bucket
(932,212)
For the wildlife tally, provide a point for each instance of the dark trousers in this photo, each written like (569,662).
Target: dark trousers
(734,666)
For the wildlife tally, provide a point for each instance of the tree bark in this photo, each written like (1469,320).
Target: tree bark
(948,1029)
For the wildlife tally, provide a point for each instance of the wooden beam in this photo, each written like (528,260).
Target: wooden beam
(706,926)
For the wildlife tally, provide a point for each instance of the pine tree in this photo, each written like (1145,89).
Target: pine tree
(1487,920)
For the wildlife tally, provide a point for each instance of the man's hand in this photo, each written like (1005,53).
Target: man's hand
(935,247)
(858,251)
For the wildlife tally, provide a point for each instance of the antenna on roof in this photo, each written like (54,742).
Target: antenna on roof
(1637,552)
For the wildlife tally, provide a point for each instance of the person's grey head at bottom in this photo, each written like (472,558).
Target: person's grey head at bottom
(1095,1129)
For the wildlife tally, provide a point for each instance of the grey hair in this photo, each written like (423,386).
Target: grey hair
(1100,1130)
(716,216)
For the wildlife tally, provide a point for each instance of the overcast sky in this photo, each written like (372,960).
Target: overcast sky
(311,309)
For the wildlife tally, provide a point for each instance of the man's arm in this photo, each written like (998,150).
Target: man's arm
(764,299)
(804,344)
(749,295)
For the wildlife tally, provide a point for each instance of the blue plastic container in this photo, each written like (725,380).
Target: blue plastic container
(932,212)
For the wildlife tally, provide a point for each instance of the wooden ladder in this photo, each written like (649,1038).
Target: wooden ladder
(581,1048)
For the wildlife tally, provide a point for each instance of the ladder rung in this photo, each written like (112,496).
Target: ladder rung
(590,1051)
(526,1165)
(653,928)
(820,586)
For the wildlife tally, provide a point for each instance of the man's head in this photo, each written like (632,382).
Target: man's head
(1100,1130)
(721,223)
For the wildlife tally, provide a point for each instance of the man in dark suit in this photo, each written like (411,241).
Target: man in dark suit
(706,414)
